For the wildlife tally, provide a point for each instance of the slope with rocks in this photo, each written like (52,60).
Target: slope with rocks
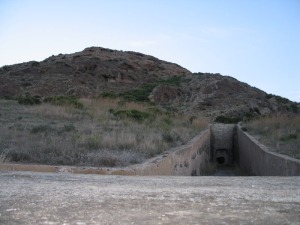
(96,70)
(85,73)
(213,95)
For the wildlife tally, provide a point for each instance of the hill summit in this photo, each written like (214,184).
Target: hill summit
(97,71)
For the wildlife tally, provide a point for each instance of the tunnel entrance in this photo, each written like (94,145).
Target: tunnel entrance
(224,150)
(221,160)
(222,157)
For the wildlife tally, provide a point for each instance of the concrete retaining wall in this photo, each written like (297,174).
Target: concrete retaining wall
(194,158)
(190,159)
(256,159)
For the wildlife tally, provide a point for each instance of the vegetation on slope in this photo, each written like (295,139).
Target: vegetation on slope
(141,94)
(90,132)
(279,132)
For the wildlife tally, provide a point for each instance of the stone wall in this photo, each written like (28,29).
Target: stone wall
(256,159)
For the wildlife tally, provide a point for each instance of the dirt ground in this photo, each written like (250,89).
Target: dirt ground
(49,198)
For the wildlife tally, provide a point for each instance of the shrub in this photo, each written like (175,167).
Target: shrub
(109,94)
(228,120)
(35,63)
(18,156)
(138,95)
(173,81)
(141,94)
(156,111)
(69,127)
(244,129)
(294,108)
(167,137)
(191,119)
(167,121)
(268,96)
(41,128)
(30,100)
(64,100)
(278,98)
(289,137)
(93,142)
(132,114)
(2,157)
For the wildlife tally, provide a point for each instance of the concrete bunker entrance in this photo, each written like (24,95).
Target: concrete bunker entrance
(224,149)
(222,157)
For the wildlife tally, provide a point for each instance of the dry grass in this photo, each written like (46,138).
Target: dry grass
(2,158)
(92,136)
(280,132)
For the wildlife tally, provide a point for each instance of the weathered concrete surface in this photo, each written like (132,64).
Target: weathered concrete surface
(51,198)
(186,160)
(256,159)
(190,159)
(222,139)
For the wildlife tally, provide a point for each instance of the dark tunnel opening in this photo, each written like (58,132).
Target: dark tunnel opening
(221,160)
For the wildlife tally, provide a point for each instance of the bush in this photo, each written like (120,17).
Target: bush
(138,95)
(64,100)
(228,120)
(69,127)
(289,137)
(109,94)
(41,128)
(244,129)
(35,63)
(141,94)
(278,98)
(167,137)
(173,81)
(18,156)
(35,100)
(294,108)
(132,114)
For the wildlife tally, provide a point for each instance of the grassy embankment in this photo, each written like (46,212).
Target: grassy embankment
(281,133)
(90,132)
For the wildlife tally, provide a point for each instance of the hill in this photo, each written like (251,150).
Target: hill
(135,76)
(103,107)
(85,74)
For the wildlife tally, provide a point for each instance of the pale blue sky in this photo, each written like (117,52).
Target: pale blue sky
(255,41)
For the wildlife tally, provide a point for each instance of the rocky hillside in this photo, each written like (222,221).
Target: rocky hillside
(214,95)
(85,73)
(134,76)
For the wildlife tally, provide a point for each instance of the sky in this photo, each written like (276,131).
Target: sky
(254,41)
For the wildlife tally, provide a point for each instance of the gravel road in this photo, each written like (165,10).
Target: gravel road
(49,198)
